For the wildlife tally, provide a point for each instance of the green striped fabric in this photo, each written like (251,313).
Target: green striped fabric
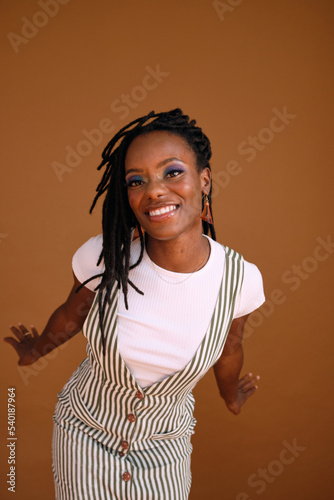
(115,440)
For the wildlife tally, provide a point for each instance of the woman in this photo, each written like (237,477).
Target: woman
(158,311)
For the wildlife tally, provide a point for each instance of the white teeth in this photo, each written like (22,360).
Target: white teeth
(162,210)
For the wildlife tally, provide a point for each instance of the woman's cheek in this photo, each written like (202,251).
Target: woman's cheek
(132,200)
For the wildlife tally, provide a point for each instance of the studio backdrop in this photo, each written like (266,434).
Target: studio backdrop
(257,75)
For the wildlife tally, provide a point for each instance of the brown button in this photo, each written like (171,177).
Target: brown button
(131,417)
(126,476)
(125,445)
(139,395)
(121,453)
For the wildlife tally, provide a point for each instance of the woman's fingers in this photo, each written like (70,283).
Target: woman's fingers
(249,393)
(248,382)
(34,331)
(12,342)
(24,330)
(24,338)
(19,334)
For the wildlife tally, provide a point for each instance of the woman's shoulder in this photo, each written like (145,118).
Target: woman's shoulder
(84,261)
(89,249)
(252,292)
(220,252)
(251,269)
(252,275)
(94,241)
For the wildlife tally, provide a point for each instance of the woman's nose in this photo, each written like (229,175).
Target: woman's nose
(155,188)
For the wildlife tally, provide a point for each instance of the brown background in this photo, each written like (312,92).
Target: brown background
(229,72)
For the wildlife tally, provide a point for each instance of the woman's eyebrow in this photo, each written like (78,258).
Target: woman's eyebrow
(167,160)
(133,170)
(161,164)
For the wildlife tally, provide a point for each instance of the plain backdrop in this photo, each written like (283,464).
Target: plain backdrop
(257,75)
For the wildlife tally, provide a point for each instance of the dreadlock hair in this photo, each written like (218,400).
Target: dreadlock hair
(118,220)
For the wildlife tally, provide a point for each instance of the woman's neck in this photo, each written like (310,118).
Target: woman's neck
(178,255)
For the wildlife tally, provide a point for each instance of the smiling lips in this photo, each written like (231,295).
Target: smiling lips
(162,211)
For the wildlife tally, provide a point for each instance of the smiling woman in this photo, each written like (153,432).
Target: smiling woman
(164,308)
(165,191)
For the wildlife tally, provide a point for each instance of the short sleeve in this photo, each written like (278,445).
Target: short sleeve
(252,294)
(85,259)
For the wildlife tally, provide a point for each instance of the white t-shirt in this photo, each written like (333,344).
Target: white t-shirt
(160,332)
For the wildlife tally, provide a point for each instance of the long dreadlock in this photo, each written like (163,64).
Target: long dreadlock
(118,220)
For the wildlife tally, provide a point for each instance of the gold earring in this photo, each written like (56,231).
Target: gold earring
(206,214)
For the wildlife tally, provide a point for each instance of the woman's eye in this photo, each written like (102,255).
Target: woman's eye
(174,172)
(134,183)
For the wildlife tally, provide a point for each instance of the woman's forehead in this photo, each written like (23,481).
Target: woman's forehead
(156,146)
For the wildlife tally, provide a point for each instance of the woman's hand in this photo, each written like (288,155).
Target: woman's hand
(25,344)
(246,388)
(65,322)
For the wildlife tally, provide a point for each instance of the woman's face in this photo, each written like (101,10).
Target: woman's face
(164,186)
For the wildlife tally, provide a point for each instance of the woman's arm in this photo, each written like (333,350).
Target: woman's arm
(233,390)
(66,321)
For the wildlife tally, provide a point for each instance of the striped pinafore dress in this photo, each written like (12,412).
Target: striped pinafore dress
(114,440)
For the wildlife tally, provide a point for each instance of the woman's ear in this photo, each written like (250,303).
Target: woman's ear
(206,180)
